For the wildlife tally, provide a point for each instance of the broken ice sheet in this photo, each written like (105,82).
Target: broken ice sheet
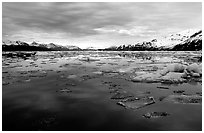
(156,114)
(126,70)
(65,90)
(72,76)
(194,68)
(173,73)
(149,77)
(88,59)
(137,103)
(184,99)
(98,72)
(173,76)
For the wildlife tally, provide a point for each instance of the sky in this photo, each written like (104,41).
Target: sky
(97,24)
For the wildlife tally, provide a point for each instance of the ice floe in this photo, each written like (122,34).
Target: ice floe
(175,73)
(176,68)
(136,103)
(156,114)
(184,99)
(194,68)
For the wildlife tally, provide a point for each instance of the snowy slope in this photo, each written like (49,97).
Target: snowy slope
(193,43)
(16,43)
(37,44)
(50,46)
(174,39)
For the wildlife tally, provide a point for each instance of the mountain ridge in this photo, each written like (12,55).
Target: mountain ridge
(34,46)
(187,40)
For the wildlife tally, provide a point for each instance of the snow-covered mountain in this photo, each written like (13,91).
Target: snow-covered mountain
(174,39)
(187,40)
(15,43)
(37,44)
(19,45)
(192,43)
(182,41)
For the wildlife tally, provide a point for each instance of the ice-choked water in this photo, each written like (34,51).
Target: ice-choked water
(102,90)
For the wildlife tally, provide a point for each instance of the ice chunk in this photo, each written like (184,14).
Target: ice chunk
(155,114)
(153,77)
(65,90)
(200,67)
(176,68)
(98,72)
(173,76)
(137,103)
(194,68)
(125,70)
(195,75)
(89,59)
(72,76)
(185,99)
(160,76)
(163,59)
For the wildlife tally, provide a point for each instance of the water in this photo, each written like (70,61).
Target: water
(35,96)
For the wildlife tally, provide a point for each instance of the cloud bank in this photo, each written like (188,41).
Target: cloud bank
(96,24)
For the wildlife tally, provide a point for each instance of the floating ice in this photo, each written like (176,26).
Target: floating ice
(64,90)
(156,115)
(134,103)
(174,73)
(98,72)
(163,59)
(88,59)
(173,76)
(72,76)
(194,68)
(176,68)
(153,77)
(184,99)
(126,70)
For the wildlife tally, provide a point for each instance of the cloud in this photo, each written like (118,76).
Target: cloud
(76,18)
(131,31)
(77,21)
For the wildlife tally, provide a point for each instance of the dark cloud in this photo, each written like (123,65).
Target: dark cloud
(75,18)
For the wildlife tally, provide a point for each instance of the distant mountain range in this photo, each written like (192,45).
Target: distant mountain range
(188,40)
(34,46)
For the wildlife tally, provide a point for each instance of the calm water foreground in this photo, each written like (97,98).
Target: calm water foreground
(74,91)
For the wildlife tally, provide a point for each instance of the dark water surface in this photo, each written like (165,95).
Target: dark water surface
(36,96)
